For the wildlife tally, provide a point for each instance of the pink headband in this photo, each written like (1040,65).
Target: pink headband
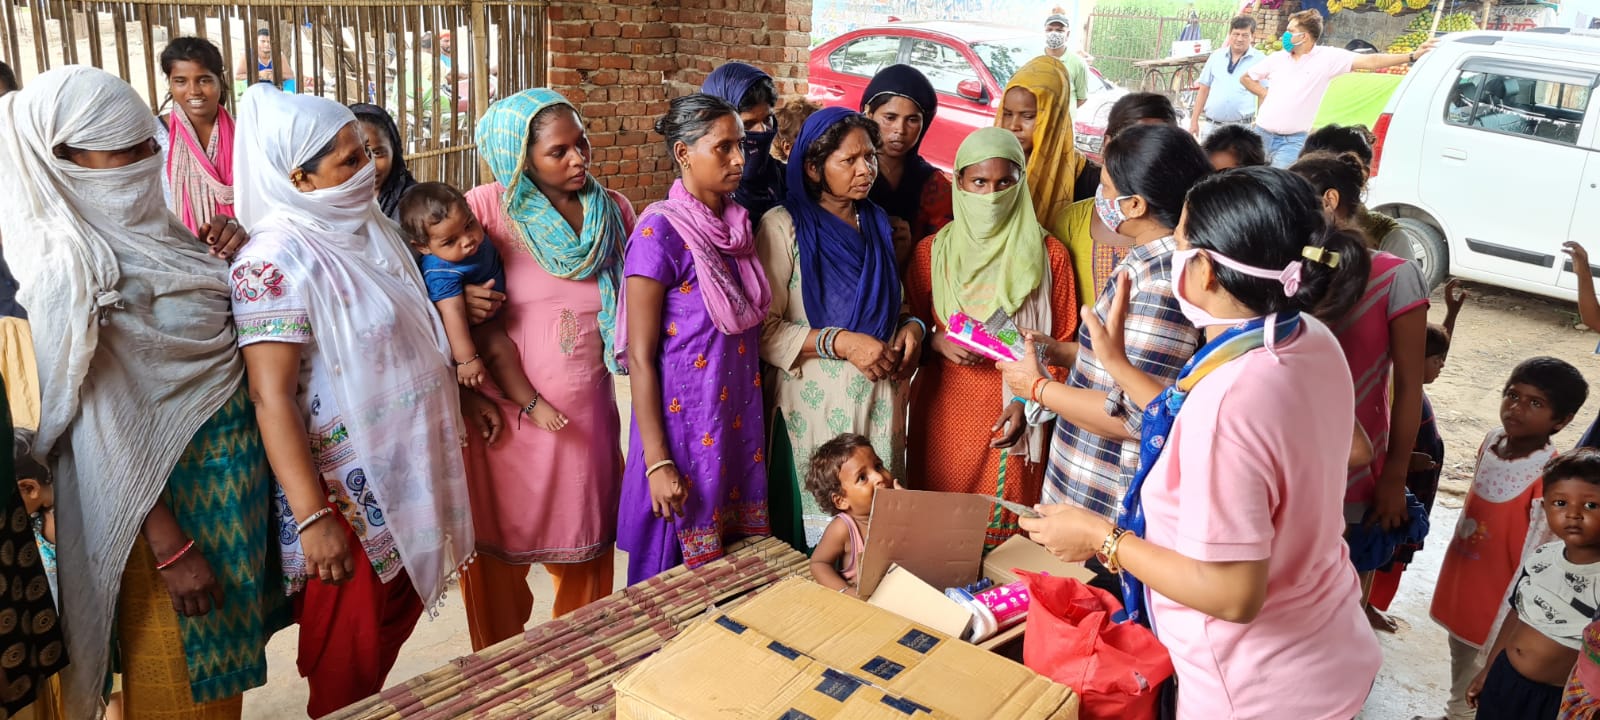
(1289,276)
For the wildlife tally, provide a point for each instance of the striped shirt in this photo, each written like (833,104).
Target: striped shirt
(1092,471)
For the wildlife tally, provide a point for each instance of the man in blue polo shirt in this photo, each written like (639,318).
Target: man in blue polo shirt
(1222,99)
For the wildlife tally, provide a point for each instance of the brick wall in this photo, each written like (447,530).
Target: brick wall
(1270,24)
(621,61)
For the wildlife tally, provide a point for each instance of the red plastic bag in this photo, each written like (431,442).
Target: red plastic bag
(1117,668)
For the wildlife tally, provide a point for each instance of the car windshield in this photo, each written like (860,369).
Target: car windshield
(1005,57)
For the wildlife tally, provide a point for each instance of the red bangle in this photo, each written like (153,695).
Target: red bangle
(175,556)
(1038,386)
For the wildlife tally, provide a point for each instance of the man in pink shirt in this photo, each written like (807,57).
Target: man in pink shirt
(1298,77)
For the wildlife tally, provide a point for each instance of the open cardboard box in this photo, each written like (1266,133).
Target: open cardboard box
(921,543)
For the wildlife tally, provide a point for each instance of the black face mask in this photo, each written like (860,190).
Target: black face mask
(757,148)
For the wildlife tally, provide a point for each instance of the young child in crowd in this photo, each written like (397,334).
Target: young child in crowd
(1554,598)
(39,499)
(791,116)
(845,474)
(1235,145)
(1427,457)
(1541,397)
(456,253)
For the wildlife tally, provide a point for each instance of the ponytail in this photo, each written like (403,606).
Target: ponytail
(1269,218)
(1344,172)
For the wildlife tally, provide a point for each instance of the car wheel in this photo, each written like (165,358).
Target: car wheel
(1429,249)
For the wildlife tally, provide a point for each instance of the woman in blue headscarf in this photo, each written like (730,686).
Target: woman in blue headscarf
(751,91)
(540,496)
(838,335)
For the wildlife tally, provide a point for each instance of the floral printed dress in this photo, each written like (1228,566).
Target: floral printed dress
(814,400)
(267,308)
(711,415)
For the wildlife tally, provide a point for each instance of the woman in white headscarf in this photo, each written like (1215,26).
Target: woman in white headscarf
(161,481)
(354,390)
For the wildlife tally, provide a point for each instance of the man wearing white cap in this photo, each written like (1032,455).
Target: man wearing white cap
(1055,45)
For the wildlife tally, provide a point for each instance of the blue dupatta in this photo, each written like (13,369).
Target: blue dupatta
(849,276)
(1159,418)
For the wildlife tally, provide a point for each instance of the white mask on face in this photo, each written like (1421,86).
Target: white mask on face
(1055,40)
(352,194)
(130,195)
(1289,277)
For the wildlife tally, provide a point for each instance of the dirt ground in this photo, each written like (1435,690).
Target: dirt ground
(1496,330)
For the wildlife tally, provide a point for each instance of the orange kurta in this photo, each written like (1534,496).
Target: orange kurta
(954,406)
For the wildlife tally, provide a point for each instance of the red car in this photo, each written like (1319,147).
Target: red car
(969,64)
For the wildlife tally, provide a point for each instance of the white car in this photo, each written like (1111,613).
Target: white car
(1487,153)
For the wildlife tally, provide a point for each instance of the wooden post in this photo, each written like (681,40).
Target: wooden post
(1438,12)
(480,72)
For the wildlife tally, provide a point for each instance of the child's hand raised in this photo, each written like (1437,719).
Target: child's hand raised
(1455,296)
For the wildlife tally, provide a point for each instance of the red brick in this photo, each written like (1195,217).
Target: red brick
(569,30)
(606,29)
(632,30)
(563,76)
(584,62)
(598,46)
(616,62)
(657,30)
(635,77)
(604,77)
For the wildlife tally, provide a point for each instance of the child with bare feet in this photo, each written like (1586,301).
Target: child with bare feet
(456,253)
(1541,397)
(1554,598)
(845,474)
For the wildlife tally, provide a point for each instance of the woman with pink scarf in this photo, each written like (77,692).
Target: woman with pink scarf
(199,145)
(690,332)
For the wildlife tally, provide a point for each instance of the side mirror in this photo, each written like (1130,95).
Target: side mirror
(971,90)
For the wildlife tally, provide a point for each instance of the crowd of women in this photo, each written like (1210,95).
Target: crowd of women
(251,412)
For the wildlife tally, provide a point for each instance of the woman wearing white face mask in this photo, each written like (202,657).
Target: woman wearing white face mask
(161,480)
(1095,450)
(357,401)
(1231,539)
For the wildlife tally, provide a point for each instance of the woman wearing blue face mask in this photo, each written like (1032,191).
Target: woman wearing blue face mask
(1095,450)
(1230,542)
(752,92)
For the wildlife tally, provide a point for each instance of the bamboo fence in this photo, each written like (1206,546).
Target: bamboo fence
(378,51)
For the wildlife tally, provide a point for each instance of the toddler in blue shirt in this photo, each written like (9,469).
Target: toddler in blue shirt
(456,253)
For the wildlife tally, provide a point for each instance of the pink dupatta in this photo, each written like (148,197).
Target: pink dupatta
(732,281)
(202,179)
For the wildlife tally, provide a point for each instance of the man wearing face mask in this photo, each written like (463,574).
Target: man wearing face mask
(1055,45)
(1299,77)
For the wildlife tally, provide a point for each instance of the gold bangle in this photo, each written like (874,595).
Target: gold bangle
(1108,550)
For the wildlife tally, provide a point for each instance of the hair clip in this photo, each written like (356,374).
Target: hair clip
(1320,255)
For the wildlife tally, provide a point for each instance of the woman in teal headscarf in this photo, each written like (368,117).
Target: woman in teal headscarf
(539,496)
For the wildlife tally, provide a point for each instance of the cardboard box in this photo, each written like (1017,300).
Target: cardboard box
(722,669)
(908,562)
(798,647)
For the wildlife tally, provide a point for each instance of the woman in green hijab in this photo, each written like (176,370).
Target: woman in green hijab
(993,257)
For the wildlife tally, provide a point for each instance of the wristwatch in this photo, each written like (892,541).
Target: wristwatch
(1411,57)
(1108,551)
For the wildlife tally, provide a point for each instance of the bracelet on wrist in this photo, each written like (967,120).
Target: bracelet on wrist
(300,527)
(470,361)
(164,564)
(657,466)
(1038,388)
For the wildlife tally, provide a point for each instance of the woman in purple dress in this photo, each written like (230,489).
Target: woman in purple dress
(695,299)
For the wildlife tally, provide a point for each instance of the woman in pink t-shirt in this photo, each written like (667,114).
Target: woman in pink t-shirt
(1232,532)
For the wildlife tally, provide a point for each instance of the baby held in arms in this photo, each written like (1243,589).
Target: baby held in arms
(845,474)
(456,253)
